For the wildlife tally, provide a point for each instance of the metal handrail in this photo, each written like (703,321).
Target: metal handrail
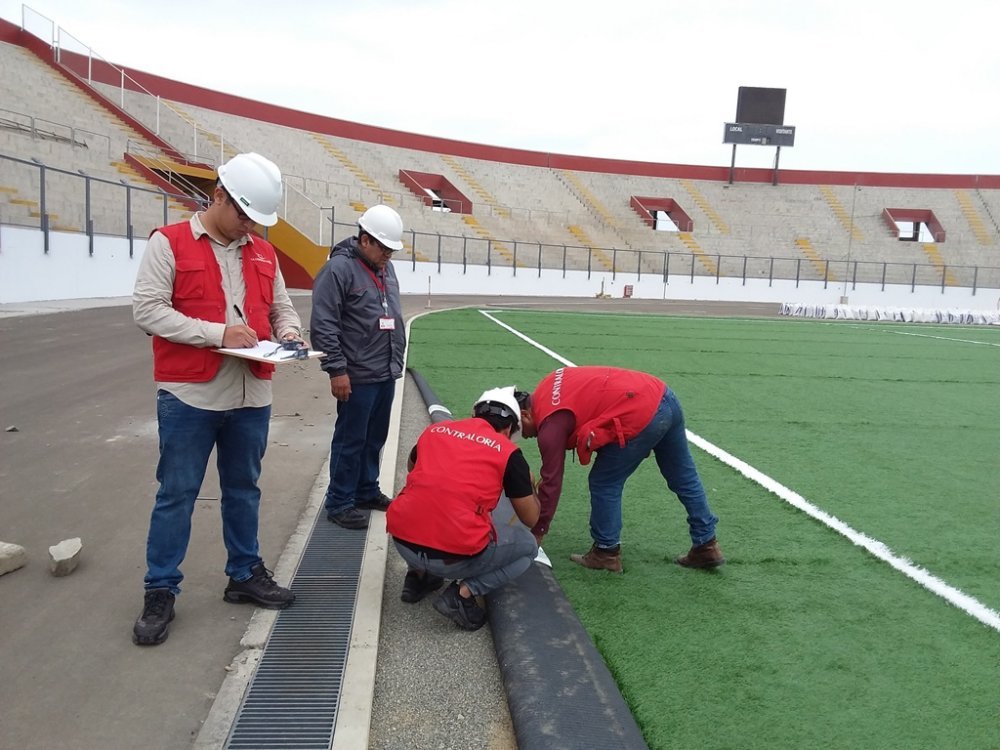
(32,127)
(80,175)
(163,165)
(44,218)
(58,45)
(527,255)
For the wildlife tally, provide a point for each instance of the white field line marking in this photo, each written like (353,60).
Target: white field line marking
(935,585)
(535,344)
(943,338)
(928,336)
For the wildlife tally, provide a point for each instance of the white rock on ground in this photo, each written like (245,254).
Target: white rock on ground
(64,557)
(12,557)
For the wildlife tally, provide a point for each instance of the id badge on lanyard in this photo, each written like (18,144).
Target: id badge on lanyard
(386,322)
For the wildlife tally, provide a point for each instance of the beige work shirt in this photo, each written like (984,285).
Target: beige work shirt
(234,386)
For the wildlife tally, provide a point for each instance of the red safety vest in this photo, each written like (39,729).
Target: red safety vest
(454,487)
(198,293)
(611,405)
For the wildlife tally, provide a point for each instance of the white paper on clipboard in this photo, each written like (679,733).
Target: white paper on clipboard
(267,351)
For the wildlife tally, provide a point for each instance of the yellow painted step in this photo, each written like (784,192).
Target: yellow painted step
(164,164)
(486,234)
(702,202)
(841,213)
(353,168)
(692,244)
(585,240)
(972,216)
(485,195)
(933,253)
(805,245)
(591,200)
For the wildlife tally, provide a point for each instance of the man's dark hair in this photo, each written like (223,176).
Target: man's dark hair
(498,416)
(523,399)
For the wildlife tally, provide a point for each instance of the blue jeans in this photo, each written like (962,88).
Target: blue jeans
(502,561)
(187,436)
(666,438)
(358,437)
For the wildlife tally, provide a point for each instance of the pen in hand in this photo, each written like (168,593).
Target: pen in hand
(247,338)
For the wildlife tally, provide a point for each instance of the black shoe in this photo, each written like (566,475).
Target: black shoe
(259,589)
(349,519)
(379,502)
(465,613)
(416,587)
(157,612)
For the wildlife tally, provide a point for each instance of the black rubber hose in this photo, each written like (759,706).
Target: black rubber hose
(559,690)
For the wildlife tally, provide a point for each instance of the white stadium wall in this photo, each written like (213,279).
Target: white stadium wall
(68,271)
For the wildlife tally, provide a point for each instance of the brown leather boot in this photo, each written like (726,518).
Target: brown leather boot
(601,559)
(707,555)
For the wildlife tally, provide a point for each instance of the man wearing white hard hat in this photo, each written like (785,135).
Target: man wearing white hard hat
(203,284)
(357,321)
(441,521)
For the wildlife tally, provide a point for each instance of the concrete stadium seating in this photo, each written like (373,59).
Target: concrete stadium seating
(520,214)
(49,120)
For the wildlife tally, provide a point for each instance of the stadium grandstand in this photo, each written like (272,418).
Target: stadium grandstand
(92,150)
(94,157)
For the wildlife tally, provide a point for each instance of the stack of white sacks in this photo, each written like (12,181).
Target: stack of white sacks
(895,314)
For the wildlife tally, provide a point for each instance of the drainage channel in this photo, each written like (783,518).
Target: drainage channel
(293,698)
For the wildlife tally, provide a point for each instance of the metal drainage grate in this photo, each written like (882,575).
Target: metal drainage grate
(292,700)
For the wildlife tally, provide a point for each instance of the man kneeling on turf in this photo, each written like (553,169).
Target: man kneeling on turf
(441,520)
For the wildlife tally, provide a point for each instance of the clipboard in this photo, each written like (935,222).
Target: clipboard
(267,351)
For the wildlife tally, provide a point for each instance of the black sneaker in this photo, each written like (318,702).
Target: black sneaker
(379,502)
(349,519)
(465,613)
(157,612)
(259,589)
(416,587)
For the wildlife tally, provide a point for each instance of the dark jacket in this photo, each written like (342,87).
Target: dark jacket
(346,307)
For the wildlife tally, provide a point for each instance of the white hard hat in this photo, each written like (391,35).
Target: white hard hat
(255,184)
(384,224)
(499,402)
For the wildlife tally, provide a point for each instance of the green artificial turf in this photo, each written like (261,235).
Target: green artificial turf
(802,640)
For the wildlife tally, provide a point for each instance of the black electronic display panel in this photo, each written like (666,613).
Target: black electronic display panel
(761,106)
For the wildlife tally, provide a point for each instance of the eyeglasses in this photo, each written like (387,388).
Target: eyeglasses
(385,250)
(239,211)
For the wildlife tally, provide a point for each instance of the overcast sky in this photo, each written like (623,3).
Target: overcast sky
(873,85)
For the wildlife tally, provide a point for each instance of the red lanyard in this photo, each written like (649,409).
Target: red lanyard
(379,284)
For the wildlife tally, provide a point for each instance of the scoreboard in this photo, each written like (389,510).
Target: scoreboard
(759,135)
